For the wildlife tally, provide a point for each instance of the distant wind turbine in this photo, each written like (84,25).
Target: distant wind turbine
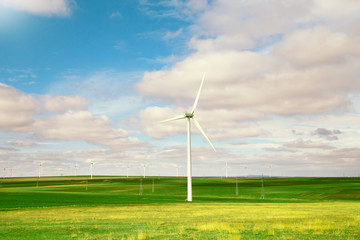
(40,169)
(91,168)
(226,169)
(177,170)
(270,170)
(188,116)
(144,167)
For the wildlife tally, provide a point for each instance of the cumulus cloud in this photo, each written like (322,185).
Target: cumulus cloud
(60,118)
(17,109)
(42,7)
(83,125)
(318,46)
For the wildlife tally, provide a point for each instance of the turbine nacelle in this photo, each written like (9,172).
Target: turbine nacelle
(188,115)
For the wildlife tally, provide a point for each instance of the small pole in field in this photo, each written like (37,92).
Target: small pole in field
(237,188)
(141,187)
(153,185)
(262,187)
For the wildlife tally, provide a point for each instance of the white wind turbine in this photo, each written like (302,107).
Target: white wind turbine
(40,165)
(91,168)
(226,169)
(188,116)
(144,167)
(177,170)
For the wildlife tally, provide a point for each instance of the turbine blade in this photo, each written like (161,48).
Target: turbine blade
(198,95)
(202,131)
(174,118)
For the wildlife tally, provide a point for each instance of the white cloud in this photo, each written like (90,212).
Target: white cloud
(116,14)
(120,45)
(63,103)
(170,35)
(83,125)
(318,46)
(17,109)
(41,7)
(21,143)
(300,143)
(60,118)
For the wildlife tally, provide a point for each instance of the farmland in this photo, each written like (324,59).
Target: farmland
(113,208)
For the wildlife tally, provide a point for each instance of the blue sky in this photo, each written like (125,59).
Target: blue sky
(86,81)
(115,35)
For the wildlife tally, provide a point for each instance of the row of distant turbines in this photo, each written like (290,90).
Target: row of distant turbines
(91,170)
(143,167)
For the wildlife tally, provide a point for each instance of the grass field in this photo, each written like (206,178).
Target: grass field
(111,208)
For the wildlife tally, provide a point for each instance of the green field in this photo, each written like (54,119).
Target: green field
(112,208)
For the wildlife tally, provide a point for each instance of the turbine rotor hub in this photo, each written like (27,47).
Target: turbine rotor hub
(188,115)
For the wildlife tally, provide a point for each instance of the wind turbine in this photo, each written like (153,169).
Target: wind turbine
(226,169)
(40,169)
(270,170)
(144,167)
(91,168)
(177,170)
(189,116)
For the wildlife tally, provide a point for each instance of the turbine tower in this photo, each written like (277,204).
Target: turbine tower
(144,167)
(91,168)
(40,169)
(226,169)
(189,116)
(270,170)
